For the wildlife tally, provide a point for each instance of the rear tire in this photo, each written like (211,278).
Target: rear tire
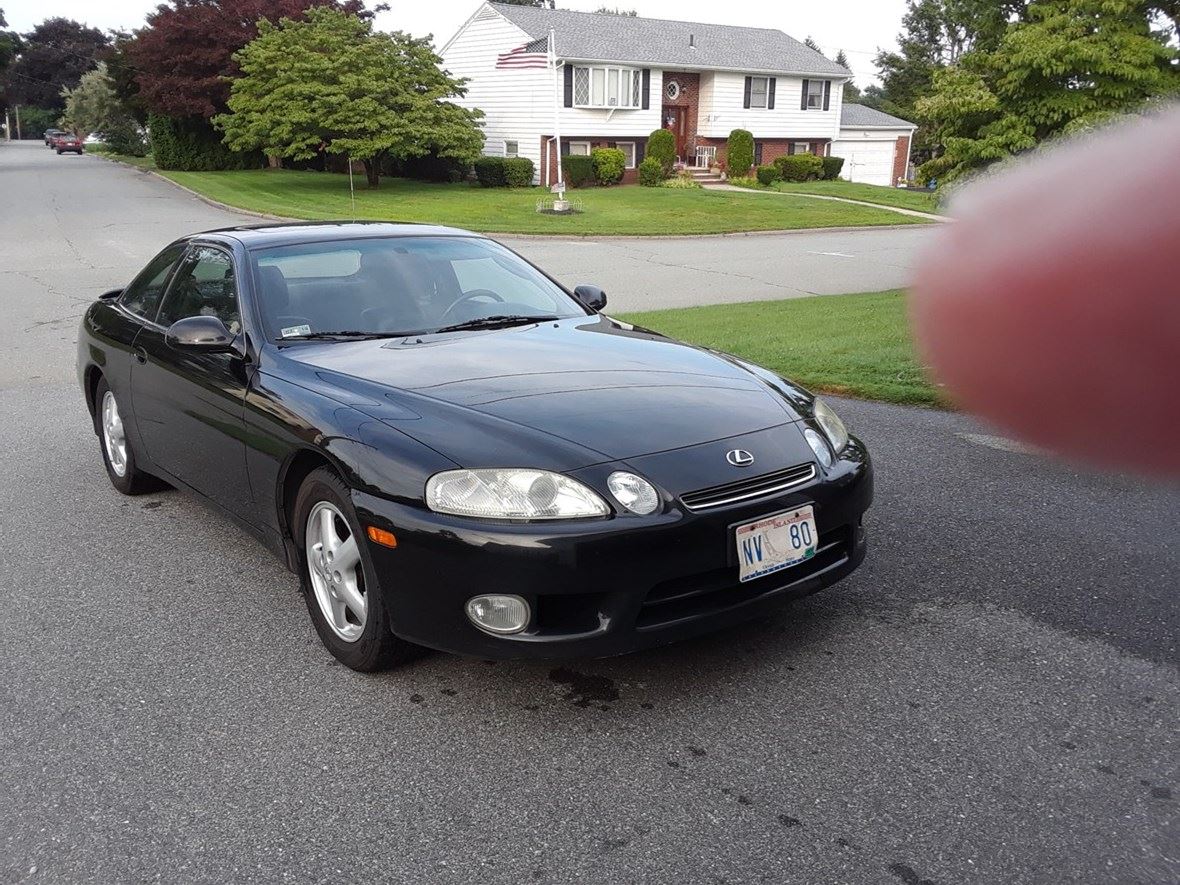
(342,594)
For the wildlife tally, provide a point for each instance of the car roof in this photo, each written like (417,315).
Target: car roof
(270,234)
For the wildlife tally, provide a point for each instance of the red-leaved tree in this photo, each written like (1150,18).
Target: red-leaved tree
(185,52)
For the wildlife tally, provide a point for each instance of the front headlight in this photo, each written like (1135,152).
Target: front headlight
(831,425)
(512,494)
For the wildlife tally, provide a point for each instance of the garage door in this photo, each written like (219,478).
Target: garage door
(870,162)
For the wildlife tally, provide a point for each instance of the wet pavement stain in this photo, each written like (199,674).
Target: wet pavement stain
(908,874)
(585,688)
(787,821)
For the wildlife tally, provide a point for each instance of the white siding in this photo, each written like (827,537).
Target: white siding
(868,154)
(517,102)
(721,109)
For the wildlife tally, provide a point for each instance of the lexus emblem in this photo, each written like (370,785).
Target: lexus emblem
(739,457)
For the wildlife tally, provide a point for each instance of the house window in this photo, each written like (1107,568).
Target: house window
(757,153)
(580,148)
(511,148)
(628,149)
(815,94)
(758,91)
(801,147)
(596,87)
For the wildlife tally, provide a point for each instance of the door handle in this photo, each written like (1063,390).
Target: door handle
(140,355)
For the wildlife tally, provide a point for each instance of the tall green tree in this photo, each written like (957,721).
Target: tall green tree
(1068,65)
(94,106)
(810,43)
(331,83)
(851,90)
(935,34)
(9,46)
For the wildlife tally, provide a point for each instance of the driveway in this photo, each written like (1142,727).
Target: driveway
(991,698)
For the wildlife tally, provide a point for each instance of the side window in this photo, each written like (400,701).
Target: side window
(204,285)
(142,297)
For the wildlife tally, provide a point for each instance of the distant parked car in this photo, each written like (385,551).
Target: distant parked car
(92,138)
(67,141)
(50,135)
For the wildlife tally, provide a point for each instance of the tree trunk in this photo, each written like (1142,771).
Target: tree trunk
(372,171)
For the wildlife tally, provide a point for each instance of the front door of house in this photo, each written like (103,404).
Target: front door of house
(674,119)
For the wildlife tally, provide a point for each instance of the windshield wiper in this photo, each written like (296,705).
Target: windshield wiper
(499,321)
(344,333)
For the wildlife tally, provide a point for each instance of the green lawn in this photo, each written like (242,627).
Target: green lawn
(922,201)
(857,345)
(617,210)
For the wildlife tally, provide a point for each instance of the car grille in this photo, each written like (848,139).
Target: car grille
(701,595)
(748,489)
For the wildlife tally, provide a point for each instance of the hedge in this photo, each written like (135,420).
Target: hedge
(192,145)
(432,167)
(832,167)
(739,152)
(518,171)
(578,169)
(661,145)
(609,165)
(491,172)
(767,175)
(651,172)
(799,167)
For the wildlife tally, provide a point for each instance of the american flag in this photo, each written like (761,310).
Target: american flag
(527,55)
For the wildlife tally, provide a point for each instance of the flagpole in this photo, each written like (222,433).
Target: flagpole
(552,51)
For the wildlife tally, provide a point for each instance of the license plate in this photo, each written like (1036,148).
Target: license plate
(775,543)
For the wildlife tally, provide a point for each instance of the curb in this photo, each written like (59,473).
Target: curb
(500,235)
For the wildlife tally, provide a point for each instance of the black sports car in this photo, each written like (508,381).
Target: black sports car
(453,451)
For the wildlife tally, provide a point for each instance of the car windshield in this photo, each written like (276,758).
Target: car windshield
(400,285)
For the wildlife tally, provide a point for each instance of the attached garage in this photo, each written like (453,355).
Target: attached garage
(875,146)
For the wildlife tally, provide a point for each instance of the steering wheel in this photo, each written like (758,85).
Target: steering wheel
(471,296)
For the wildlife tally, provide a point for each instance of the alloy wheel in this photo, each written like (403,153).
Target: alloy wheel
(113,437)
(334,567)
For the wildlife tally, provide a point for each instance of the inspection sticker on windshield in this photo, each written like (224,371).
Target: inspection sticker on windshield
(292,331)
(775,543)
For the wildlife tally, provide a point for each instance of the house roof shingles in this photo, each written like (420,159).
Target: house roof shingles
(594,36)
(853,115)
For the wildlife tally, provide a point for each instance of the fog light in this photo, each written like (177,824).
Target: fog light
(819,446)
(498,614)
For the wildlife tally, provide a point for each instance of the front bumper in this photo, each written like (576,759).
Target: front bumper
(604,587)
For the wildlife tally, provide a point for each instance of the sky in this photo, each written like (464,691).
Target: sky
(859,27)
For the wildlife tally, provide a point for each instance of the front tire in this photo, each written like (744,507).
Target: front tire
(341,591)
(117,454)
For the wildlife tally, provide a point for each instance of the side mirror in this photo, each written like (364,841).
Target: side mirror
(207,334)
(110,295)
(591,296)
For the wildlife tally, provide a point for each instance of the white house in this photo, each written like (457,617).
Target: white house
(614,79)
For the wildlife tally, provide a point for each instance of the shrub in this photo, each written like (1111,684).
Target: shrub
(609,164)
(799,167)
(739,152)
(651,172)
(578,169)
(661,145)
(743,181)
(123,136)
(192,145)
(432,167)
(518,171)
(491,172)
(767,175)
(832,167)
(682,180)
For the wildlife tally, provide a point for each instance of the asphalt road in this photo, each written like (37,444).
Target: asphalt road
(992,698)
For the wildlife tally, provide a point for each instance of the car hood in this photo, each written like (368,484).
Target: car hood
(580,390)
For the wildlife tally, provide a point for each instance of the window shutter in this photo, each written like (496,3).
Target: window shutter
(565,148)
(803,100)
(746,100)
(611,144)
(770,93)
(645,102)
(640,147)
(791,144)
(827,93)
(569,86)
